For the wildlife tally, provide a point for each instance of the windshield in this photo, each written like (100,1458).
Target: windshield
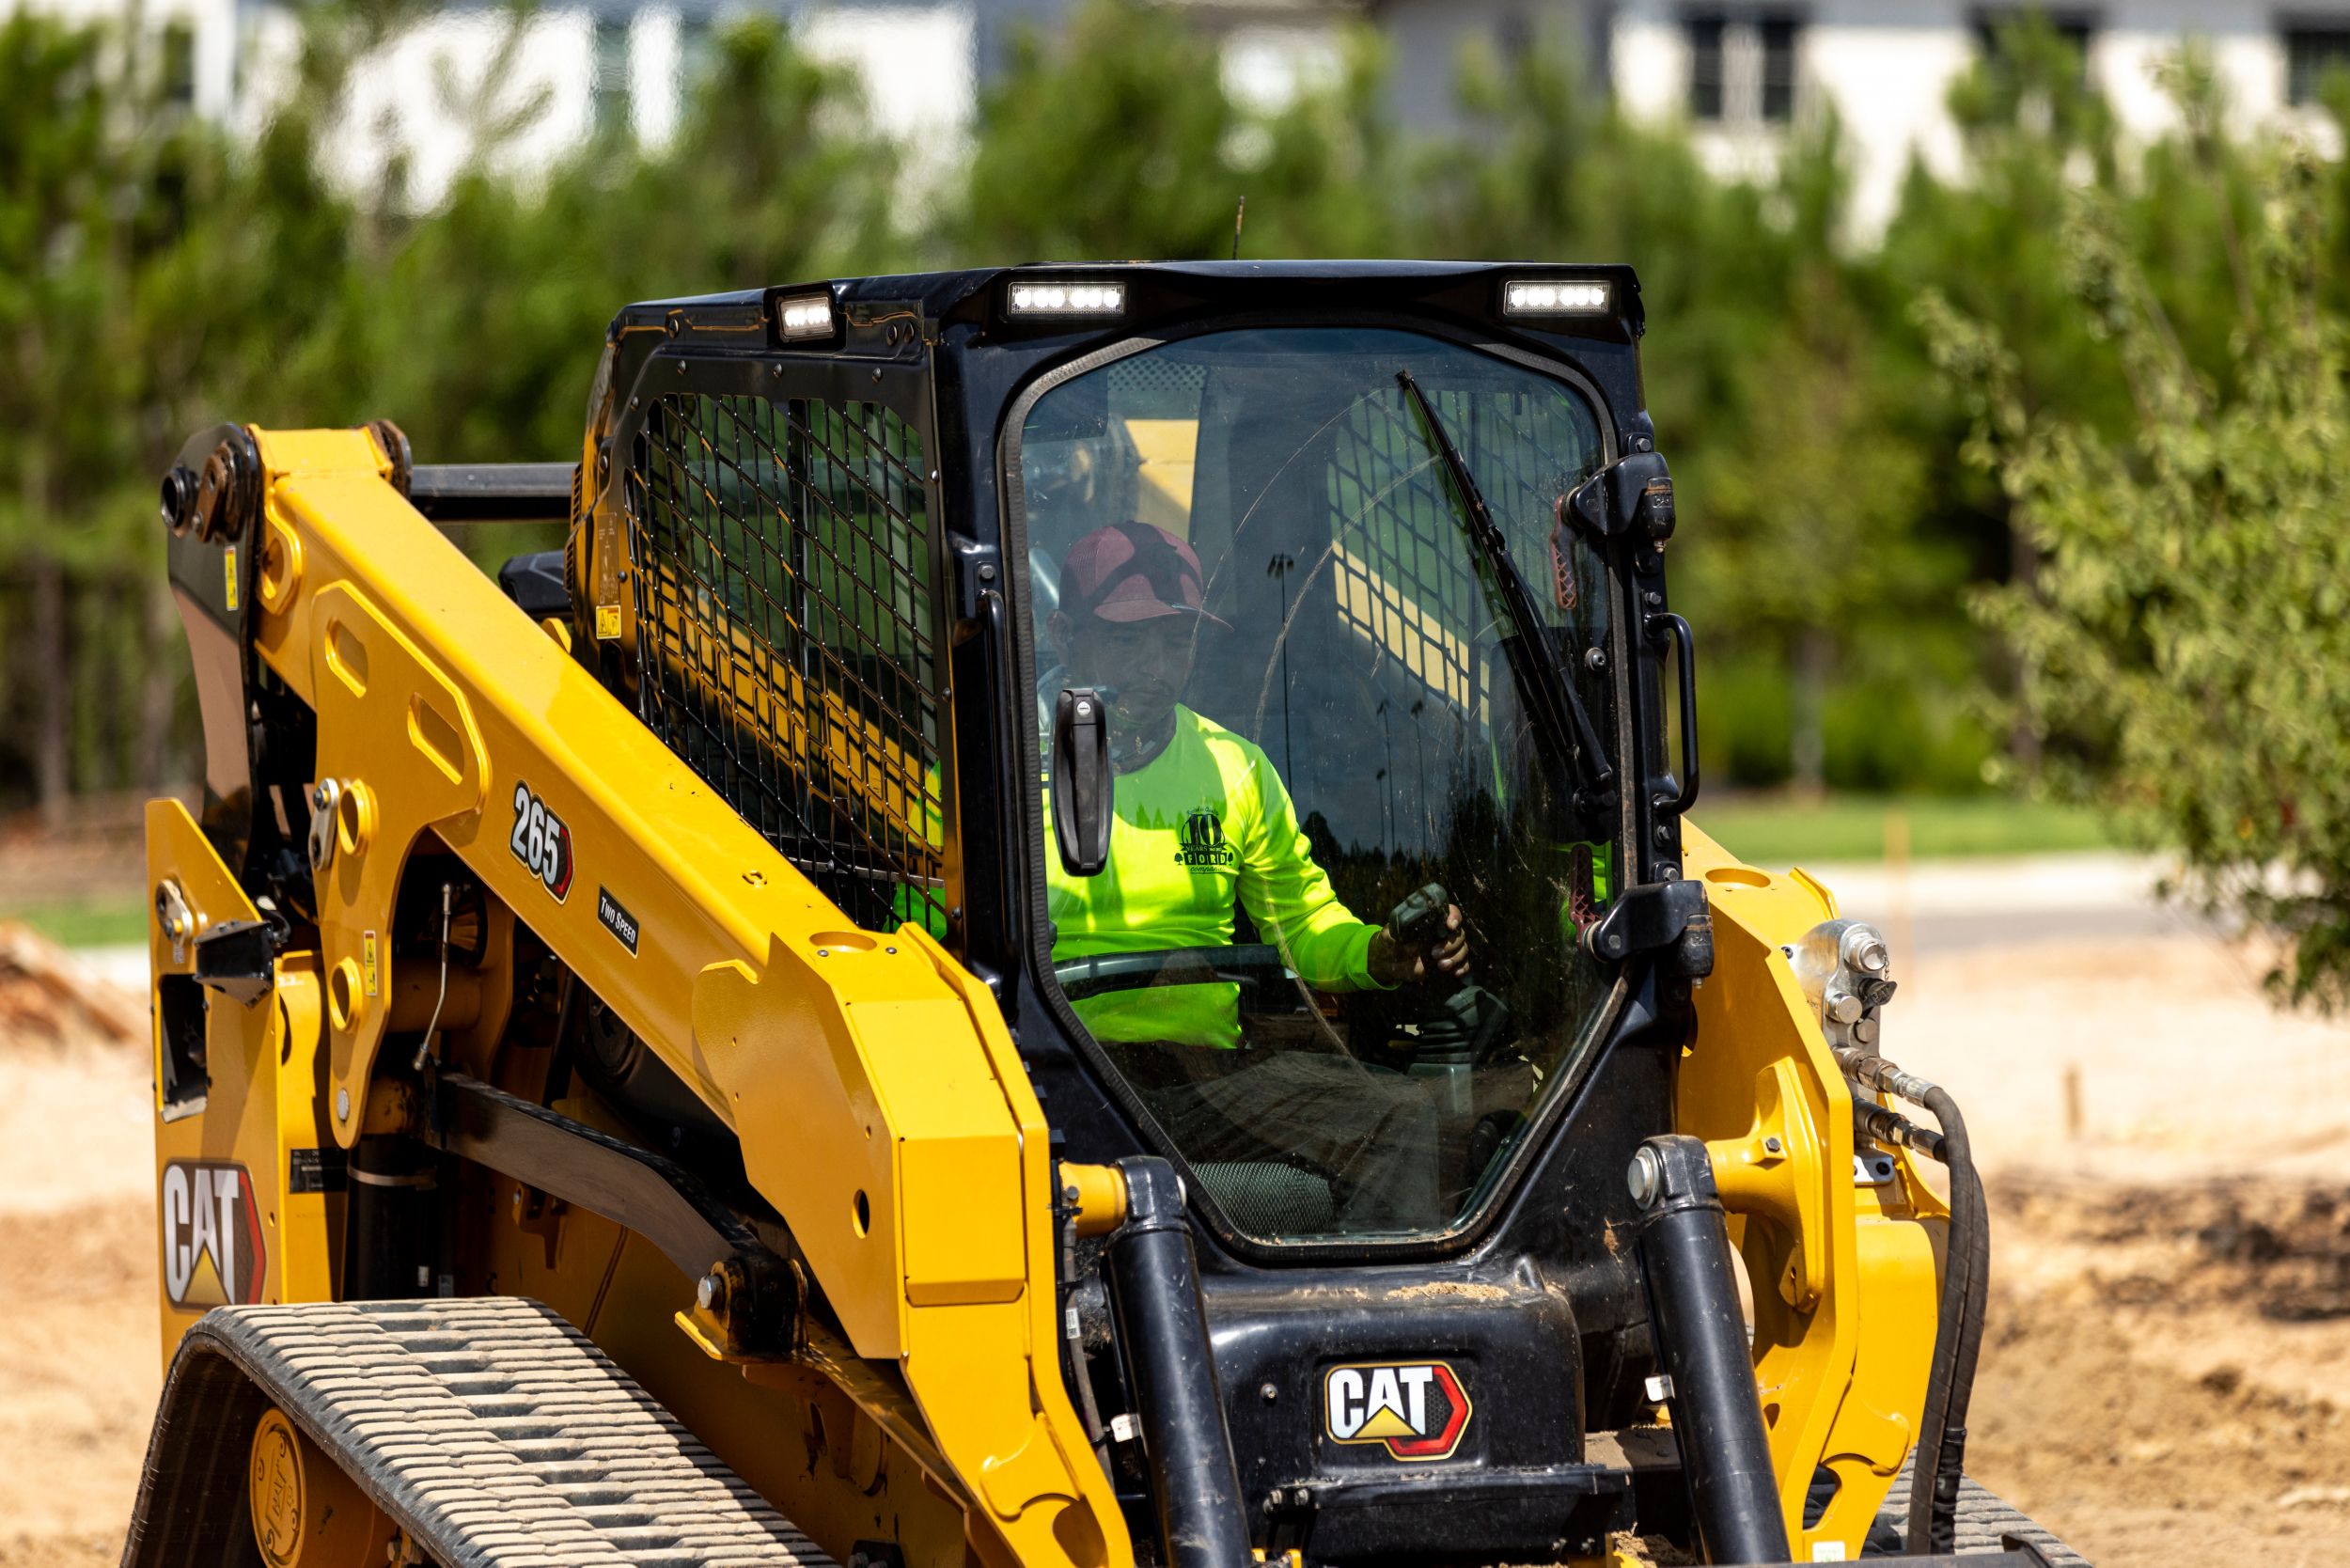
(1333,952)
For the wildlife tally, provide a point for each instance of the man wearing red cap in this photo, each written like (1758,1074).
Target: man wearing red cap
(1203,824)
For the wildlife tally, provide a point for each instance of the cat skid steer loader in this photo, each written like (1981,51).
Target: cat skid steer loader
(667,1054)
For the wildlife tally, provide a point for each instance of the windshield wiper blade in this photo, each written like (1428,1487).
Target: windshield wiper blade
(1551,693)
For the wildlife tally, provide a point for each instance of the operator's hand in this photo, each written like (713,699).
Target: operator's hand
(1397,962)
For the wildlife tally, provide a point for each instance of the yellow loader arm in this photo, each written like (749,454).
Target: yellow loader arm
(881,1106)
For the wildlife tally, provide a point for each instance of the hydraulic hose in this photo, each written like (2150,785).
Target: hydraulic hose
(1941,1458)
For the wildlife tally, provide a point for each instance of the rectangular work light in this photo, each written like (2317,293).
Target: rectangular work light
(1533,297)
(806,316)
(1066,299)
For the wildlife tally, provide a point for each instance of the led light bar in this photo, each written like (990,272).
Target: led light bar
(1066,299)
(1529,297)
(809,316)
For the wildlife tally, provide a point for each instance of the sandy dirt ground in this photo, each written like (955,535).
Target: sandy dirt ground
(80,1362)
(2168,1368)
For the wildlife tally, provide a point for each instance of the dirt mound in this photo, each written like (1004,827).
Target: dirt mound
(2169,1365)
(46,998)
(2282,1249)
(80,1370)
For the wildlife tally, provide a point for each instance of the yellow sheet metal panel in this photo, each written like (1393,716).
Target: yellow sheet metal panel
(1900,1277)
(399,740)
(783,1428)
(815,1136)
(248,1205)
(1071,1512)
(959,1153)
(1840,1327)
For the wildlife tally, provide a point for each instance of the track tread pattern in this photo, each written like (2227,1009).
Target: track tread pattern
(1984,1518)
(503,1437)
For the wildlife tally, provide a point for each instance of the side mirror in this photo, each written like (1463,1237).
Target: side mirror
(1083,786)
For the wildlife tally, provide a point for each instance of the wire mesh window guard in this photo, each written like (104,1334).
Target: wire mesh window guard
(787,633)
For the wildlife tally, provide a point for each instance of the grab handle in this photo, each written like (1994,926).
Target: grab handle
(1662,624)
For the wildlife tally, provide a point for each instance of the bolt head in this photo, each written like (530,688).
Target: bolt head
(1646,1179)
(342,1105)
(1267,1392)
(1864,949)
(1843,1006)
(1772,1146)
(709,1290)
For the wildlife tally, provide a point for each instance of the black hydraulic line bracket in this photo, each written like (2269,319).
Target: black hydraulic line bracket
(753,1295)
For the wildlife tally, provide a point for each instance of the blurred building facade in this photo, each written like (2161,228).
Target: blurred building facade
(1741,74)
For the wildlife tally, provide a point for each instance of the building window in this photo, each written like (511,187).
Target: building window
(609,89)
(697,54)
(1743,66)
(1997,31)
(1777,34)
(2312,55)
(179,65)
(1705,66)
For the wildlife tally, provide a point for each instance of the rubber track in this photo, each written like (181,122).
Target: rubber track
(488,1428)
(1984,1518)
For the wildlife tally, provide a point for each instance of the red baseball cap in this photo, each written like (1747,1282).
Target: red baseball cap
(1132,571)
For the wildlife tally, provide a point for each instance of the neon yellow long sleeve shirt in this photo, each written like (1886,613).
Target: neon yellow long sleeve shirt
(1204,823)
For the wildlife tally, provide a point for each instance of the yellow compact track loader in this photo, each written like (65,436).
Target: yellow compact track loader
(1064,933)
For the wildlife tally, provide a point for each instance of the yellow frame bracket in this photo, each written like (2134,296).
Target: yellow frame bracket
(1758,1085)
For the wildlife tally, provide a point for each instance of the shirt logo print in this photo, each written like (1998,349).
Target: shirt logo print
(1203,842)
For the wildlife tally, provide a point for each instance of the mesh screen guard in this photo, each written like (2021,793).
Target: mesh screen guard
(788,634)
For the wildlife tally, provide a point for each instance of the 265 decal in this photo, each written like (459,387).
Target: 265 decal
(213,1252)
(1418,1410)
(540,842)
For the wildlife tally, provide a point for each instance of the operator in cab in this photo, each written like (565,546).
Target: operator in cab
(1203,825)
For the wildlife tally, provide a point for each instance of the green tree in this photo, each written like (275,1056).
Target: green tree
(68,429)
(1118,139)
(2186,633)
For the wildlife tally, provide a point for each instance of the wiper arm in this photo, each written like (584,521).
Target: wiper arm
(1533,663)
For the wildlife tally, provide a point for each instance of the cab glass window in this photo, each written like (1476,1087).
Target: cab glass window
(1361,753)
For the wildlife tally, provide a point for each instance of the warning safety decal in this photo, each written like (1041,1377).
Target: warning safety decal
(213,1252)
(1418,1410)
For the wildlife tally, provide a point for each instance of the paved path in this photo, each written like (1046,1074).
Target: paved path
(1940,906)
